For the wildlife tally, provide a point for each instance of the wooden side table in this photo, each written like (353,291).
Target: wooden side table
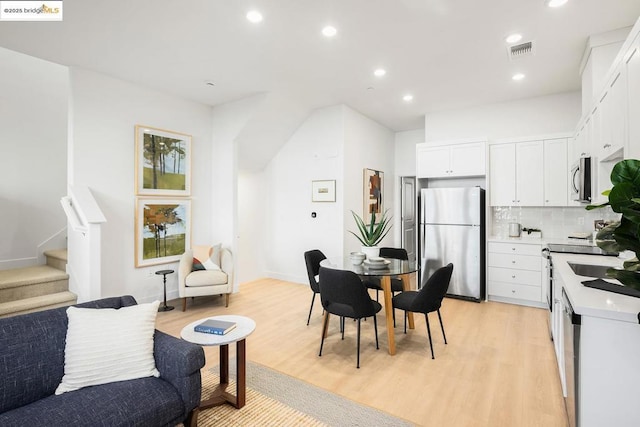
(244,327)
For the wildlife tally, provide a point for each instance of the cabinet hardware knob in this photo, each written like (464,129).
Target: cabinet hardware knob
(513,291)
(513,277)
(513,262)
(513,249)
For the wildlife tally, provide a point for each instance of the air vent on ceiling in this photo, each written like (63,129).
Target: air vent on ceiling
(520,50)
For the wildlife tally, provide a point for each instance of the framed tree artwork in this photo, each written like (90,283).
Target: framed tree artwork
(373,194)
(162,231)
(163,162)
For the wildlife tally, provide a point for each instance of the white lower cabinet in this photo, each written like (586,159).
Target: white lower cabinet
(515,273)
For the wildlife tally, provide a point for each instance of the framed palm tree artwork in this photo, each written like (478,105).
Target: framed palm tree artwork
(163,162)
(162,230)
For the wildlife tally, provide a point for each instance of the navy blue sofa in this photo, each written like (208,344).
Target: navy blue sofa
(32,364)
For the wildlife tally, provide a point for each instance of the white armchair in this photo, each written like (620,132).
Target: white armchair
(205,282)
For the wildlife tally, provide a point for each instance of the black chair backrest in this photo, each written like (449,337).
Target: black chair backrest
(433,290)
(394,253)
(341,287)
(312,259)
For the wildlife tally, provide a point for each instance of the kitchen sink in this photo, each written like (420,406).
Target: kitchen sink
(589,270)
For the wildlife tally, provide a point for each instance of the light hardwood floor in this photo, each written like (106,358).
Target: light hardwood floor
(498,369)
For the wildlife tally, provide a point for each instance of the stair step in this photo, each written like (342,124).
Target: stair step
(57,258)
(31,282)
(39,303)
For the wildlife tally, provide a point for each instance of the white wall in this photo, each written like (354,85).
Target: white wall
(404,165)
(367,144)
(405,151)
(314,152)
(105,111)
(229,224)
(33,139)
(525,117)
(251,247)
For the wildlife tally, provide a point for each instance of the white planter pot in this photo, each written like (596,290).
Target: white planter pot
(371,251)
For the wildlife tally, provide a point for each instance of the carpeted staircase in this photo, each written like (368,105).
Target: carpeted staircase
(24,290)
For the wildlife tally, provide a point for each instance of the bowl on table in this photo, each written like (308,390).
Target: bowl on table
(357,258)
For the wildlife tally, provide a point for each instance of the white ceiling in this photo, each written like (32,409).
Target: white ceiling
(447,53)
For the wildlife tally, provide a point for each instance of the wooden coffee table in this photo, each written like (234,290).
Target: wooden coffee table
(244,327)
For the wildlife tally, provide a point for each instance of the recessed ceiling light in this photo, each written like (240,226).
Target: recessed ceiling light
(513,38)
(254,16)
(518,76)
(380,72)
(408,97)
(329,31)
(555,3)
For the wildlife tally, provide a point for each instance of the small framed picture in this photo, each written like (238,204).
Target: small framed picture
(162,231)
(163,162)
(323,191)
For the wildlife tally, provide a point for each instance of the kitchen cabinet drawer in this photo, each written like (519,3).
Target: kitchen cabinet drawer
(510,275)
(519,262)
(510,290)
(515,248)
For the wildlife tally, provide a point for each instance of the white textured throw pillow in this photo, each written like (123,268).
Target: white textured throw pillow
(106,345)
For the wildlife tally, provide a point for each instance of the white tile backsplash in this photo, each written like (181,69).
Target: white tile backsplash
(554,222)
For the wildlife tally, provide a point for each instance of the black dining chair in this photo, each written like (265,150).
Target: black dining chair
(396,282)
(427,299)
(342,293)
(312,260)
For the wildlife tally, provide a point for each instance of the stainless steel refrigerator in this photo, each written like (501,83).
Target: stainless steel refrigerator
(452,229)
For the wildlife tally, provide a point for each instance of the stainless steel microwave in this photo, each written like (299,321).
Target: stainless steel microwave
(580,185)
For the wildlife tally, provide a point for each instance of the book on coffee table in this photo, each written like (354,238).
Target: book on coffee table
(216,327)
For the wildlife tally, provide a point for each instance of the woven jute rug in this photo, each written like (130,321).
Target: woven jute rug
(275,399)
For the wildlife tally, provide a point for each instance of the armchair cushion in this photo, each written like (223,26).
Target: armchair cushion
(108,345)
(206,278)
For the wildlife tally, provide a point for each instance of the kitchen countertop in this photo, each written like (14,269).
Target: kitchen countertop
(594,302)
(540,240)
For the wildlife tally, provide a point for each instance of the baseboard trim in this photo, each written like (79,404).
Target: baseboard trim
(287,277)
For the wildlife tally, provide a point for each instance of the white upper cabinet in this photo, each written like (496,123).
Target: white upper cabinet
(448,161)
(516,174)
(613,105)
(529,173)
(432,161)
(556,172)
(502,174)
(632,147)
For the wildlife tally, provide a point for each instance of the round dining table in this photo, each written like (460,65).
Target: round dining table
(392,268)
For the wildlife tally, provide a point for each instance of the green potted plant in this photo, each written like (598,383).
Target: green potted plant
(371,235)
(623,235)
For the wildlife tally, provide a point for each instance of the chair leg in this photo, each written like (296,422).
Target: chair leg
(184,304)
(442,327)
(405,322)
(226,302)
(375,328)
(358,364)
(324,330)
(311,308)
(426,316)
(342,326)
